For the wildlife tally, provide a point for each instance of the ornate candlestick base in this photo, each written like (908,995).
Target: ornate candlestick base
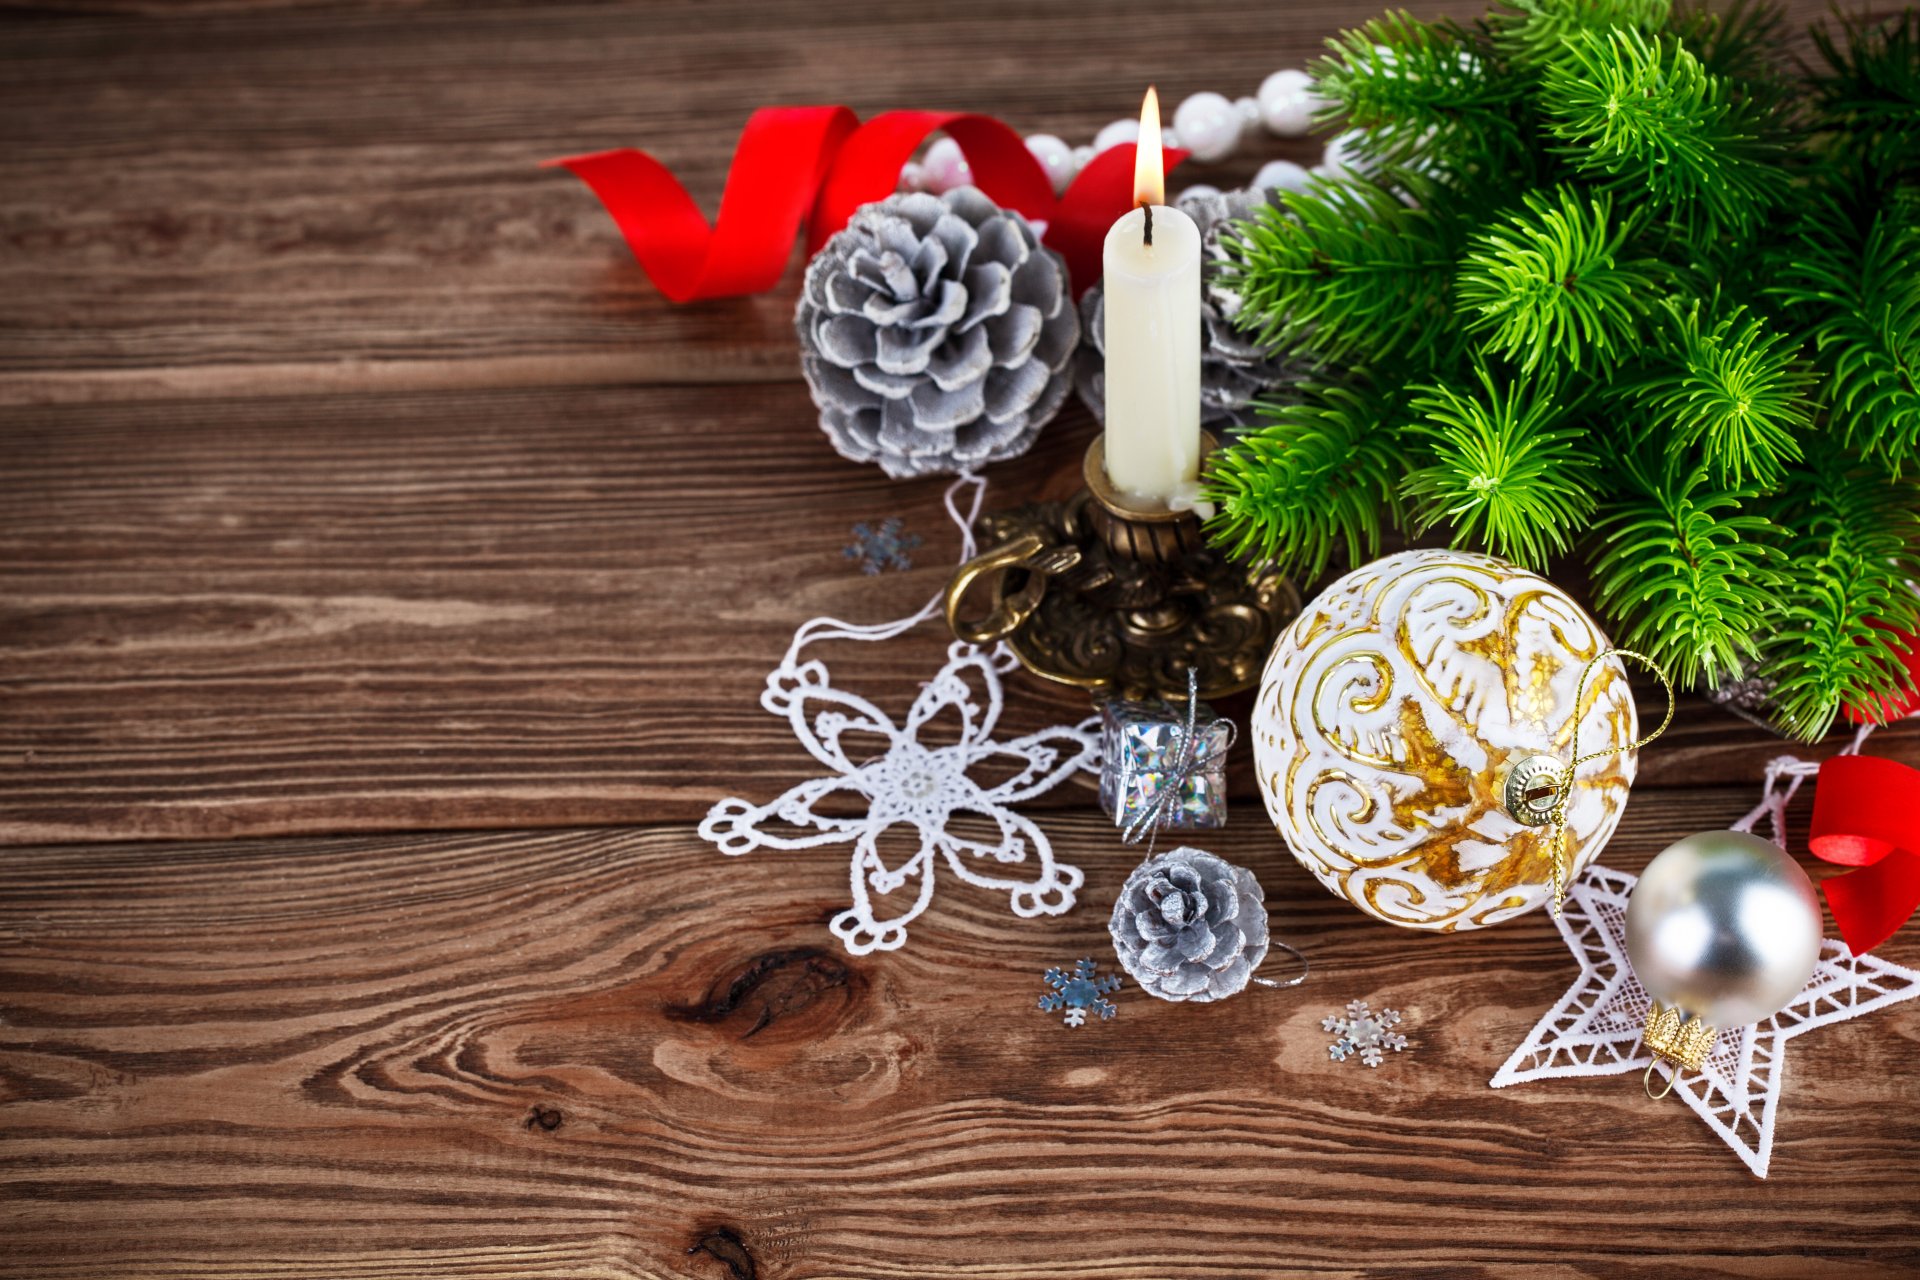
(1118,598)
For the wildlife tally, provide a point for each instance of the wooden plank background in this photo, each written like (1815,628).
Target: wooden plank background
(374,536)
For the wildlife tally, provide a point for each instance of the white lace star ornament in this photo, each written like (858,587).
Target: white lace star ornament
(1595,1028)
(911,785)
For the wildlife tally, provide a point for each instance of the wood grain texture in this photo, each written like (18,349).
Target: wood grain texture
(495,609)
(353,481)
(616,1054)
(310,202)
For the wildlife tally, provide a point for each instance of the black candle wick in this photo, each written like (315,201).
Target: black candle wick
(1148,210)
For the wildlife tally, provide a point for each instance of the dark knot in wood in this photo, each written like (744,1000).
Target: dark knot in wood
(729,1250)
(546,1117)
(772,985)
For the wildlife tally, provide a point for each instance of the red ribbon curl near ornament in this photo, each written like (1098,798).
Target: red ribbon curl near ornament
(818,165)
(1866,814)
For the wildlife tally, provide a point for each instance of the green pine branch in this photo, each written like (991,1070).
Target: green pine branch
(1854,548)
(1319,475)
(1869,95)
(1859,298)
(1641,114)
(1734,389)
(1345,271)
(1410,86)
(1532,33)
(1553,285)
(1690,577)
(1687,281)
(1506,472)
(1741,42)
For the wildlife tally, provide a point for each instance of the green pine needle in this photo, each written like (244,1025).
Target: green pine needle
(1736,390)
(1532,33)
(1741,41)
(1553,285)
(1861,298)
(1855,546)
(1346,269)
(1409,86)
(1685,276)
(1505,474)
(1870,95)
(1320,474)
(1643,114)
(1690,577)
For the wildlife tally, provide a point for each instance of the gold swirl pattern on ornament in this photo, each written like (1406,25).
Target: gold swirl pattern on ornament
(1450,799)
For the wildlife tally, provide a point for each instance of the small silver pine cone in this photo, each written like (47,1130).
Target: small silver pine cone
(936,333)
(1234,370)
(1190,926)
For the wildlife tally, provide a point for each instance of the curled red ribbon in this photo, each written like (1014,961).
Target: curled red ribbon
(1866,814)
(817,165)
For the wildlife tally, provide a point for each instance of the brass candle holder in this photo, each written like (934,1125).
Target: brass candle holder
(1118,597)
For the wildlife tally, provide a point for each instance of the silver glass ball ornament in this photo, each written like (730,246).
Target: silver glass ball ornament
(1724,925)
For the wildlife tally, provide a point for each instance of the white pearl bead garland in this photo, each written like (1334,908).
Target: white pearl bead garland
(945,167)
(1287,103)
(1056,157)
(1116,134)
(1208,125)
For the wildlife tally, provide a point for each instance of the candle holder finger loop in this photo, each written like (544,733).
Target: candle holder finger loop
(1031,556)
(1118,597)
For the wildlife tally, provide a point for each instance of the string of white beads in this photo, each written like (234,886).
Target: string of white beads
(1208,125)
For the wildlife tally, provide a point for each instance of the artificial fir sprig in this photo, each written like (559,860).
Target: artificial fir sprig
(1644,115)
(1859,294)
(1319,475)
(1506,472)
(1735,390)
(1409,83)
(1532,33)
(1353,269)
(1607,259)
(1851,559)
(1689,571)
(1553,285)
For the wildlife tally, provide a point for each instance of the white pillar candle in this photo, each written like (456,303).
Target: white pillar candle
(1152,338)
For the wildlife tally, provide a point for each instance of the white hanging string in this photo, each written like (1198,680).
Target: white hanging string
(834,629)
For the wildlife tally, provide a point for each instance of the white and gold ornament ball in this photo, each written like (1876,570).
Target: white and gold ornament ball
(1391,712)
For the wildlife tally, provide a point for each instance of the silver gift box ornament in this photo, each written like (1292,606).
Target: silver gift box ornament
(1139,758)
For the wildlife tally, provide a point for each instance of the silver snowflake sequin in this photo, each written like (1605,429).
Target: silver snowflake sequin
(881,549)
(1079,989)
(1364,1032)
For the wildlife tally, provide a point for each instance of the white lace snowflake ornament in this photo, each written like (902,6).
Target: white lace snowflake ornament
(901,782)
(921,788)
(1595,1028)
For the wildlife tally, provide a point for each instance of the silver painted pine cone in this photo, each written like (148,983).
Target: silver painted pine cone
(937,334)
(1190,926)
(1234,369)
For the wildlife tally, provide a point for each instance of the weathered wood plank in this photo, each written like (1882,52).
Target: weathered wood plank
(309,201)
(498,609)
(591,1052)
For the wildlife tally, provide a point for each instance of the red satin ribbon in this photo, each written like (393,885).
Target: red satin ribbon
(818,165)
(1866,814)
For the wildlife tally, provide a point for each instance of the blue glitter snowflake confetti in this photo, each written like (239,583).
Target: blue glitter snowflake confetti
(881,549)
(1079,989)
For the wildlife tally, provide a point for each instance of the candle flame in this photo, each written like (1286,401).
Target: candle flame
(1149,171)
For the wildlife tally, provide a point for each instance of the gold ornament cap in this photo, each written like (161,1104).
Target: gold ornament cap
(1682,1044)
